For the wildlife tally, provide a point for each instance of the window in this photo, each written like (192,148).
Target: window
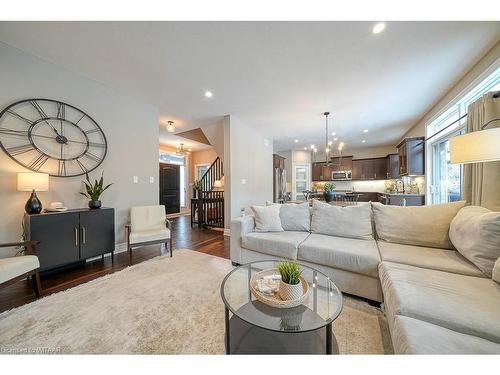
(200,170)
(444,180)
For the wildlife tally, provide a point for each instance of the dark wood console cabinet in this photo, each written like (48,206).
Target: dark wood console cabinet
(71,236)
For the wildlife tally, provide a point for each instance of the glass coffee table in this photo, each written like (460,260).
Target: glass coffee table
(253,327)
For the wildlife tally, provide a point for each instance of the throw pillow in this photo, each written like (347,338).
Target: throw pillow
(475,232)
(349,221)
(295,216)
(496,271)
(267,218)
(420,226)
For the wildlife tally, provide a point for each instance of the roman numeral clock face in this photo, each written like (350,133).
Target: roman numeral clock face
(52,137)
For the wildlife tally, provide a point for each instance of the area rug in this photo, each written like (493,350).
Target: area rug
(161,306)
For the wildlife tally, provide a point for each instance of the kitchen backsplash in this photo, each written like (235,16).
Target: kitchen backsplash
(376,185)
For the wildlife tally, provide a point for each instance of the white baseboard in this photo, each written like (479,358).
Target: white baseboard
(119,248)
(227,232)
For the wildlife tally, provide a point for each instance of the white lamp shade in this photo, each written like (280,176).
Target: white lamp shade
(476,147)
(217,184)
(27,181)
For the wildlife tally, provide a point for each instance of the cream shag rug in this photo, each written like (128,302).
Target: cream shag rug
(164,305)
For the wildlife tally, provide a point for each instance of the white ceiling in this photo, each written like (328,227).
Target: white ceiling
(277,76)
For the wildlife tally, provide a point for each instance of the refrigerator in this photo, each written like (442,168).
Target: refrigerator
(279,186)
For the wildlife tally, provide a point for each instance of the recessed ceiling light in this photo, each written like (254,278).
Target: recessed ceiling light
(363,141)
(327,150)
(335,139)
(365,131)
(334,134)
(296,140)
(208,94)
(330,143)
(378,28)
(312,147)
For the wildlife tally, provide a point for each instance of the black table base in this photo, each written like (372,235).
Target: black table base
(245,338)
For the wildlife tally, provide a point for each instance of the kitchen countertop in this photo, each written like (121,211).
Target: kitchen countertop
(403,194)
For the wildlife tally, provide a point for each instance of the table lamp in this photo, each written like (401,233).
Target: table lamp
(30,181)
(218,185)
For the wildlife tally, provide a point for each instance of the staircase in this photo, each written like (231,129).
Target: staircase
(210,203)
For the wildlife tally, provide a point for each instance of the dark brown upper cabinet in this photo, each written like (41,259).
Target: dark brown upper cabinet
(411,153)
(369,169)
(317,171)
(342,163)
(392,166)
(278,161)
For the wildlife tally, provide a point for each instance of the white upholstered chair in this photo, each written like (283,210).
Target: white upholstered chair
(13,269)
(148,226)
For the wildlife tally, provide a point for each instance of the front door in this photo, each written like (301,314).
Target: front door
(170,187)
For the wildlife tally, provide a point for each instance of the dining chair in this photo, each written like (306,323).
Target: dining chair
(26,266)
(148,226)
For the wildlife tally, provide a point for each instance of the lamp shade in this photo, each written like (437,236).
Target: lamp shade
(28,181)
(217,184)
(475,147)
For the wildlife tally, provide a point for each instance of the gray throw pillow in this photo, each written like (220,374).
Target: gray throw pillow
(496,271)
(349,221)
(267,218)
(420,226)
(475,232)
(295,216)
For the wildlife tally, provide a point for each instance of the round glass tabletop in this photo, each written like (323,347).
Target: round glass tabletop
(323,305)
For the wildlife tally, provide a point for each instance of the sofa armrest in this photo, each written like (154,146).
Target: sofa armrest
(496,271)
(239,227)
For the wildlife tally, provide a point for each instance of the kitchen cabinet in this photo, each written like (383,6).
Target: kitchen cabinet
(317,171)
(392,166)
(396,199)
(326,172)
(342,163)
(411,152)
(369,169)
(278,161)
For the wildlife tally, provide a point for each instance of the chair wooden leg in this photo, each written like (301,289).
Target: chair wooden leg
(171,247)
(37,286)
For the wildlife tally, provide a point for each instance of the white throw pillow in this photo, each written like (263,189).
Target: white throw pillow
(475,233)
(267,218)
(420,226)
(349,221)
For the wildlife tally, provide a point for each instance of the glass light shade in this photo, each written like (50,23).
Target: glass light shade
(170,128)
(28,181)
(475,147)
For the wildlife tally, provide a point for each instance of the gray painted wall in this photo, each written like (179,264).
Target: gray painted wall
(131,128)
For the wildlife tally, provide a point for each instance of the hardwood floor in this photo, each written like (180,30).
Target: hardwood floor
(207,241)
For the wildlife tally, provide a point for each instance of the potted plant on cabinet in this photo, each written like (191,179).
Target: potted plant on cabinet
(197,188)
(290,285)
(94,191)
(329,188)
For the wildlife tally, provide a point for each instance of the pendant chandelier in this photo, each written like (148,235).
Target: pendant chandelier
(182,151)
(170,127)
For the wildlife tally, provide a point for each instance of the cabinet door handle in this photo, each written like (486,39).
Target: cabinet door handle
(84,235)
(76,236)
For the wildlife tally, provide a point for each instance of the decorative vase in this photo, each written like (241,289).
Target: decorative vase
(33,205)
(289,292)
(328,196)
(95,204)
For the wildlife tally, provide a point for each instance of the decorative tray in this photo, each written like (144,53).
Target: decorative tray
(273,299)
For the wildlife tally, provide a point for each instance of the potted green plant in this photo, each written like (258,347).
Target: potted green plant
(290,285)
(94,190)
(329,189)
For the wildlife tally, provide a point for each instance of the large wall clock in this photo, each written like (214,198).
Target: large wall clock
(53,137)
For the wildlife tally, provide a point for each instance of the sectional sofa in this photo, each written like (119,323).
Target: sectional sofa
(433,267)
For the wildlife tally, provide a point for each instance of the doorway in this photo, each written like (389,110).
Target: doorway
(170,188)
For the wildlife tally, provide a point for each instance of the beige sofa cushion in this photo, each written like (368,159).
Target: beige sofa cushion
(475,232)
(360,256)
(149,235)
(496,271)
(427,257)
(267,218)
(16,266)
(350,221)
(279,244)
(421,226)
(412,336)
(295,216)
(465,304)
